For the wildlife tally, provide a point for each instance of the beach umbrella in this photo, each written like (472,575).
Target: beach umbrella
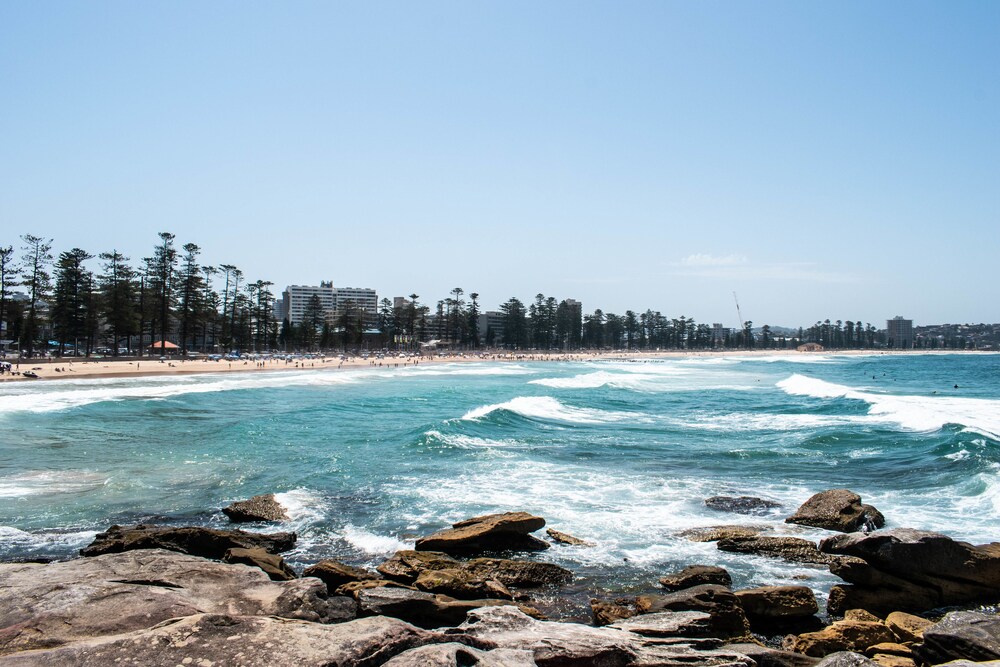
(167,346)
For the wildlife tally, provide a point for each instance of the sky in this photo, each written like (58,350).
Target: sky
(820,159)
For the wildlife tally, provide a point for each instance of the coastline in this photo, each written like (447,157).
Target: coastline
(66,369)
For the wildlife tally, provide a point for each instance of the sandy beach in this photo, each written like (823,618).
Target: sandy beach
(63,369)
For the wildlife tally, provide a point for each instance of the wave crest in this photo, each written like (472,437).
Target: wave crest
(548,408)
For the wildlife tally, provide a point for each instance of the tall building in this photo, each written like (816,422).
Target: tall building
(899,333)
(718,334)
(490,327)
(295,298)
(364,298)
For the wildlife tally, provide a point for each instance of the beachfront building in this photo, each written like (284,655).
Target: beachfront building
(296,298)
(899,333)
(719,333)
(364,298)
(490,327)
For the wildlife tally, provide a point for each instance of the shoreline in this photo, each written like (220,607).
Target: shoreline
(63,369)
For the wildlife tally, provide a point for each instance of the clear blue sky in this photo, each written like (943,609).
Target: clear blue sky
(821,159)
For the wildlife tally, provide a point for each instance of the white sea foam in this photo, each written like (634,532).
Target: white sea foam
(750,422)
(546,407)
(46,482)
(302,505)
(471,442)
(371,543)
(913,413)
(595,380)
(44,540)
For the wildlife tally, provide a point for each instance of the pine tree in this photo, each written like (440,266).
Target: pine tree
(35,277)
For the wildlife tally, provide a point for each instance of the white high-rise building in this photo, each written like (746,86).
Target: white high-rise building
(295,298)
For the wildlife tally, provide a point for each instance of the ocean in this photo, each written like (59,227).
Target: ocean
(622,453)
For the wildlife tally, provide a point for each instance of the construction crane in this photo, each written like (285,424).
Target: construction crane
(738,315)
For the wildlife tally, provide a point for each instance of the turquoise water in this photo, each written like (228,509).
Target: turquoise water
(620,453)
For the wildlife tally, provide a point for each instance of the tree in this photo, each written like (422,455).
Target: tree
(473,319)
(7,280)
(35,277)
(191,290)
(313,319)
(515,324)
(164,265)
(72,299)
(118,297)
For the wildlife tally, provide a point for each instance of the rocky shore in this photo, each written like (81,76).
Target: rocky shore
(158,595)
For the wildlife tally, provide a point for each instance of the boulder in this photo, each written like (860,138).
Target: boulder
(778,602)
(607,612)
(770,657)
(961,635)
(518,573)
(839,636)
(258,508)
(406,565)
(911,570)
(273,565)
(889,648)
(564,538)
(191,540)
(460,583)
(846,659)
(696,575)
(423,609)
(837,509)
(861,615)
(460,655)
(351,588)
(907,627)
(716,533)
(741,504)
(719,602)
(493,532)
(892,660)
(792,549)
(44,606)
(335,574)
(247,641)
(668,624)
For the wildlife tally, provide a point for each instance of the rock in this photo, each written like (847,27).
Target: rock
(273,565)
(258,508)
(493,532)
(889,648)
(907,627)
(351,588)
(564,538)
(519,573)
(846,659)
(840,636)
(406,566)
(696,575)
(461,584)
(43,606)
(719,602)
(961,635)
(911,570)
(424,610)
(551,643)
(775,610)
(668,624)
(837,509)
(769,657)
(716,533)
(741,504)
(247,641)
(861,615)
(606,613)
(459,655)
(792,549)
(191,540)
(335,574)
(890,660)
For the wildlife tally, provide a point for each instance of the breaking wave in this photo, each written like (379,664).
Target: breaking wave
(546,407)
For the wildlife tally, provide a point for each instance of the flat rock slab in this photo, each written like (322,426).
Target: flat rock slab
(792,549)
(258,508)
(458,655)
(668,624)
(961,635)
(43,606)
(243,641)
(696,575)
(566,538)
(423,609)
(492,532)
(192,540)
(741,504)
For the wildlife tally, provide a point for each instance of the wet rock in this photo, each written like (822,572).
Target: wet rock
(258,508)
(780,609)
(770,657)
(423,609)
(519,573)
(719,602)
(840,636)
(461,584)
(351,588)
(43,606)
(716,533)
(607,612)
(492,532)
(907,627)
(248,641)
(837,509)
(792,549)
(961,635)
(741,504)
(441,573)
(668,624)
(191,540)
(335,574)
(564,538)
(273,565)
(911,570)
(696,575)
(459,655)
